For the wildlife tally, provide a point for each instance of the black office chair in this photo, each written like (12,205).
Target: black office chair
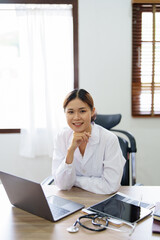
(128,146)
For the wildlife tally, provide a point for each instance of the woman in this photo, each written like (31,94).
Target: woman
(86,155)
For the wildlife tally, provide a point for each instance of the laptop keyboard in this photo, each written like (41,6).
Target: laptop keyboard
(58,211)
(58,201)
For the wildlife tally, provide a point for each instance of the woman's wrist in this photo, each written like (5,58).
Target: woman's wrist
(70,154)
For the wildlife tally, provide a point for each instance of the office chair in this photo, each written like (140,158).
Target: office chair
(128,148)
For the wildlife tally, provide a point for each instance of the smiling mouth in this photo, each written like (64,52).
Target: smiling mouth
(77,124)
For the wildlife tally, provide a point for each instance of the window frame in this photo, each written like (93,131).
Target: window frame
(137,85)
(74,3)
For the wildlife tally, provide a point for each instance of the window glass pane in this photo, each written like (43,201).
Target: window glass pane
(146,62)
(10,83)
(157,101)
(157,63)
(147,28)
(56,56)
(145,102)
(157,26)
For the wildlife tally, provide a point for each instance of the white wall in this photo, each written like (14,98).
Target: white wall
(105,38)
(34,169)
(105,71)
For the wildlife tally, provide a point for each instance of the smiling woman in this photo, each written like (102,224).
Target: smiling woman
(79,115)
(85,154)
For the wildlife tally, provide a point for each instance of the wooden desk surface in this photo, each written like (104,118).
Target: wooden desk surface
(16,224)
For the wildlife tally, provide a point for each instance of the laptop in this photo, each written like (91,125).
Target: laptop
(29,196)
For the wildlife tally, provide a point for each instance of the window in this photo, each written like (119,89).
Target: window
(146,60)
(12,37)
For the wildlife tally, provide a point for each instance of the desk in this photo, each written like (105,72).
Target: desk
(16,224)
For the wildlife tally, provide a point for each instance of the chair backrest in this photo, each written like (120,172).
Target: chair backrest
(108,122)
(126,172)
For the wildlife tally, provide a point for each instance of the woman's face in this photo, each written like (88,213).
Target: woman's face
(78,115)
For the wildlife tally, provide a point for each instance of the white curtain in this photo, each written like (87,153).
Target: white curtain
(46,49)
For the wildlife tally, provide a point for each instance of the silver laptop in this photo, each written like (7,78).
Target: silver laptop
(29,196)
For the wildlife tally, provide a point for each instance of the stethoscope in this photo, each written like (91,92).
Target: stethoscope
(93,217)
(97,226)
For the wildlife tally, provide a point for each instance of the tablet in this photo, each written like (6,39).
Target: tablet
(116,208)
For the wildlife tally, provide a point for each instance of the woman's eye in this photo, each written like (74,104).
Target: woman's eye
(70,112)
(83,111)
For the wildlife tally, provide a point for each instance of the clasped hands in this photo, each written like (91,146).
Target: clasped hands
(79,138)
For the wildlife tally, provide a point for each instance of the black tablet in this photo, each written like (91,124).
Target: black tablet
(116,208)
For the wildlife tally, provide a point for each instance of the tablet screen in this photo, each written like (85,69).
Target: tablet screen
(116,208)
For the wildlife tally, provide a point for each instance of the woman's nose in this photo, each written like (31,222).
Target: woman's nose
(76,115)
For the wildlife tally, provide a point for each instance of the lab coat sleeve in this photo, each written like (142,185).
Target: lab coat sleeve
(110,180)
(63,173)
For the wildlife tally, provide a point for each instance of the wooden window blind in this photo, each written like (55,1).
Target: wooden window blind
(146,60)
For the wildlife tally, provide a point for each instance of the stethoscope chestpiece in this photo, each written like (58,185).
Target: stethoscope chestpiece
(72,229)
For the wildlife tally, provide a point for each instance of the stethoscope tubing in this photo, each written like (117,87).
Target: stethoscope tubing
(102,227)
(92,217)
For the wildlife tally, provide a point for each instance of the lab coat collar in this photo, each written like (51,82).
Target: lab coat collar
(94,139)
(91,146)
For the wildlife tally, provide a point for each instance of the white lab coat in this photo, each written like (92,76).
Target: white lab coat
(100,169)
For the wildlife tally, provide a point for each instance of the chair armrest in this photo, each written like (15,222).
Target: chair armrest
(138,184)
(132,141)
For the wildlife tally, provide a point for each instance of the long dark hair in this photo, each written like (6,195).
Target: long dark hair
(83,95)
